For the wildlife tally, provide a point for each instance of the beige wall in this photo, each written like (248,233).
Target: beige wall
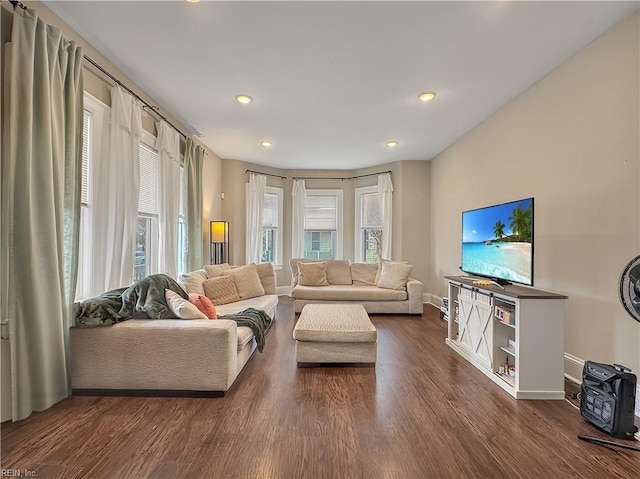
(572,142)
(410,223)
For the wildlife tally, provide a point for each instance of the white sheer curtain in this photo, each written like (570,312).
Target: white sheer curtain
(299,193)
(255,210)
(41,186)
(385,189)
(168,146)
(115,196)
(192,190)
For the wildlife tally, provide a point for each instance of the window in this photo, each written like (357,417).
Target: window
(323,224)
(369,224)
(82,286)
(147,227)
(94,116)
(271,227)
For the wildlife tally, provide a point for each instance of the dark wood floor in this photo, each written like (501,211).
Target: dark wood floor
(422,412)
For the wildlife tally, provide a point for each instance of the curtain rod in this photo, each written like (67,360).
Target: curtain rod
(266,174)
(152,108)
(335,178)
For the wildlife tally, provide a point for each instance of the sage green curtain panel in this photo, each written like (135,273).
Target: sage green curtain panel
(193,159)
(41,180)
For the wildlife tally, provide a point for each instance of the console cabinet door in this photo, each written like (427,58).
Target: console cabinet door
(482,346)
(475,323)
(465,310)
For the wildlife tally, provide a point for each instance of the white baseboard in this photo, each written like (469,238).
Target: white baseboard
(430,298)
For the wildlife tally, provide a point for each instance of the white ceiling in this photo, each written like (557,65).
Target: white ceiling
(333,81)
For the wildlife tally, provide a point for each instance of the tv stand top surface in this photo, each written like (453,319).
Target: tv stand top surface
(509,290)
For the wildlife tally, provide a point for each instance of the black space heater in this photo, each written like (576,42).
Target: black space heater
(608,398)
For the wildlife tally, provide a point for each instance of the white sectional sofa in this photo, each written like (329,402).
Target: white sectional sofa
(168,356)
(356,283)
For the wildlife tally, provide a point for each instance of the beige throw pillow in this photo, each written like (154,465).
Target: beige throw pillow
(339,271)
(312,274)
(215,270)
(267,277)
(247,280)
(221,290)
(364,274)
(182,308)
(394,275)
(192,282)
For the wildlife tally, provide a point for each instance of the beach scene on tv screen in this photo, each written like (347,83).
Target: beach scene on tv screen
(497,241)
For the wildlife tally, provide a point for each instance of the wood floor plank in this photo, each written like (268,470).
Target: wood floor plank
(421,412)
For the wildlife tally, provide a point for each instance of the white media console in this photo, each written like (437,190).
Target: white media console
(513,334)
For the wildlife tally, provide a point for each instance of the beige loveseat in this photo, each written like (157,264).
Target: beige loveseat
(356,283)
(169,356)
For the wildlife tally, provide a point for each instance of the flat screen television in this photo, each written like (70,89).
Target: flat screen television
(497,242)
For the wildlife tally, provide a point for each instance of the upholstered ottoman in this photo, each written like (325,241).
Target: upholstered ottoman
(335,333)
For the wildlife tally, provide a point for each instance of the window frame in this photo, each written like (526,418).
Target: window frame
(99,114)
(339,216)
(277,261)
(152,243)
(359,233)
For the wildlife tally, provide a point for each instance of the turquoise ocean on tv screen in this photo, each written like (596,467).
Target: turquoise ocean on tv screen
(500,260)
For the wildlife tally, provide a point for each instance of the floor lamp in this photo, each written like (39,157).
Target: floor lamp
(219,237)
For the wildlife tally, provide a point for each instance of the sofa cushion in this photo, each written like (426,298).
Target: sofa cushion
(313,274)
(204,304)
(339,292)
(267,277)
(182,308)
(267,303)
(221,290)
(245,335)
(339,271)
(247,280)
(364,273)
(215,270)
(192,282)
(394,275)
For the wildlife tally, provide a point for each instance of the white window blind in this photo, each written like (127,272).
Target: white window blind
(86,148)
(148,196)
(321,212)
(371,211)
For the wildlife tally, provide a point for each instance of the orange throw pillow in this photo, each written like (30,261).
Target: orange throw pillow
(204,304)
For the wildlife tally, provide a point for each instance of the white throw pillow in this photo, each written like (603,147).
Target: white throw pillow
(192,282)
(394,275)
(182,308)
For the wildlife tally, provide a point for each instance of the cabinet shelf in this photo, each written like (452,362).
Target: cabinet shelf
(509,350)
(506,324)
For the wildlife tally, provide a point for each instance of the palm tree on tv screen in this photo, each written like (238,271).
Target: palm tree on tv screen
(498,229)
(520,223)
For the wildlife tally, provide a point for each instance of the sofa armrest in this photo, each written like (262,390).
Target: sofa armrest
(414,295)
(171,354)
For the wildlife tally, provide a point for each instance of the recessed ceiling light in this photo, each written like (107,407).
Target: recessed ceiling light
(266,143)
(392,143)
(244,99)
(427,96)
(193,1)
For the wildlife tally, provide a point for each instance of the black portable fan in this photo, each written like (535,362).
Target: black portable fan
(630,288)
